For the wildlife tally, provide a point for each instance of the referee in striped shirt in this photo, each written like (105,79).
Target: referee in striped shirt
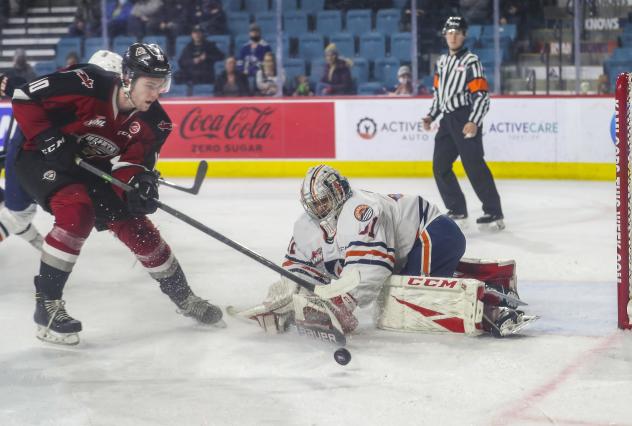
(460,93)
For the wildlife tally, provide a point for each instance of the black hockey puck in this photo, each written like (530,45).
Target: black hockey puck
(342,356)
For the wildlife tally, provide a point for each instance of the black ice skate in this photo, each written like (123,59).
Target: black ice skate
(491,222)
(54,325)
(199,309)
(511,321)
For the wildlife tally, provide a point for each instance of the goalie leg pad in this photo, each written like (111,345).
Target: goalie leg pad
(496,273)
(426,304)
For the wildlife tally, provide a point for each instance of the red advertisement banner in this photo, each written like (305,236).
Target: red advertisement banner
(250,130)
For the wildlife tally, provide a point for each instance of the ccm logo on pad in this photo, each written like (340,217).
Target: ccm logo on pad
(431,282)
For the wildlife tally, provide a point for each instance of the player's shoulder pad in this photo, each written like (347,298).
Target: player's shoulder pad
(361,207)
(84,80)
(158,120)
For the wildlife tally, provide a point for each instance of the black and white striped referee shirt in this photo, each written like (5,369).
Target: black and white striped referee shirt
(459,81)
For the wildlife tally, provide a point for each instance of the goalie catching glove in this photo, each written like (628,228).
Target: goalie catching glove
(287,303)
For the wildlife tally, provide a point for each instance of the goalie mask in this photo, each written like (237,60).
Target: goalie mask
(145,60)
(323,193)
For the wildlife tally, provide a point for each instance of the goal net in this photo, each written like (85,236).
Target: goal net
(624,208)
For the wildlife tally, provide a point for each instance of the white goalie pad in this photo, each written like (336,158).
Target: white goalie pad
(432,305)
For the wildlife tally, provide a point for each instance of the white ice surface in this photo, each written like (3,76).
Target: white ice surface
(139,363)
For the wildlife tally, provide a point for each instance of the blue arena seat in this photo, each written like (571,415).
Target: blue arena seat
(222,42)
(358,21)
(256,6)
(293,68)
(45,67)
(311,46)
(288,5)
(64,47)
(312,6)
(295,23)
(231,5)
(121,43)
(267,22)
(219,67)
(92,45)
(360,70)
(316,71)
(238,22)
(387,20)
(329,22)
(385,71)
(372,45)
(401,45)
(344,43)
(286,45)
(181,43)
(202,90)
(474,31)
(371,88)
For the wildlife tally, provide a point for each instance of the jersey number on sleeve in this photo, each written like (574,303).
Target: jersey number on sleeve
(38,84)
(370,228)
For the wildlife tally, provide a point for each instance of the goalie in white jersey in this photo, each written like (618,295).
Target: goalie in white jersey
(385,240)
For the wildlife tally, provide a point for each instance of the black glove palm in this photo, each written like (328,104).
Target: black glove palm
(60,151)
(142,200)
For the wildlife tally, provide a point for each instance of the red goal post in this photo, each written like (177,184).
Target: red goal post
(624,255)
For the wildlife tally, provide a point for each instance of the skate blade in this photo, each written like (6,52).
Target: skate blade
(49,336)
(495,226)
(526,320)
(219,324)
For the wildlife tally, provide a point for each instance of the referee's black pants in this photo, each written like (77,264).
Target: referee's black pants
(450,143)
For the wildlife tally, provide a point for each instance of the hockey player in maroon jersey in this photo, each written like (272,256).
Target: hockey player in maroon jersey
(117,124)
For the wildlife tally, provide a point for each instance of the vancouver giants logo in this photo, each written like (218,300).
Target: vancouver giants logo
(98,146)
(86,81)
(244,123)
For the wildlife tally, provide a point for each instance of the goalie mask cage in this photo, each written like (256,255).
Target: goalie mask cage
(624,255)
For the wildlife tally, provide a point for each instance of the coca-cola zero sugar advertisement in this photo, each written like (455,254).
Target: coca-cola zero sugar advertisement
(250,130)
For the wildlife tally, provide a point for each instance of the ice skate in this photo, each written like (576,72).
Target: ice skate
(201,310)
(511,321)
(491,222)
(54,325)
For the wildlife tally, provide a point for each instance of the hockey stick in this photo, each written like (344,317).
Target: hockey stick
(197,182)
(352,280)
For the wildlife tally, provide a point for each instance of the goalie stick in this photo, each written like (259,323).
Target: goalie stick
(200,174)
(349,281)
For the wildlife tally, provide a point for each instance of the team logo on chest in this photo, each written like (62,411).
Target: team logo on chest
(86,81)
(363,212)
(98,121)
(164,126)
(134,127)
(98,146)
(50,175)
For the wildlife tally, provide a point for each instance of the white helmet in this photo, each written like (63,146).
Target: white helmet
(107,60)
(323,192)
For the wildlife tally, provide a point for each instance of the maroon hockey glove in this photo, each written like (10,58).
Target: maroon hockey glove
(143,199)
(59,150)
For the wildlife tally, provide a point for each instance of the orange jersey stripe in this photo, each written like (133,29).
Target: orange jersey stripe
(477,85)
(435,84)
(371,252)
(426,250)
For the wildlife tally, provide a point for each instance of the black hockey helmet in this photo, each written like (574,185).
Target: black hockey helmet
(455,23)
(148,60)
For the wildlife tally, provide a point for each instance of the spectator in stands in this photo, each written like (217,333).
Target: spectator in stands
(231,82)
(477,12)
(251,54)
(77,28)
(211,17)
(90,12)
(603,86)
(267,77)
(197,60)
(145,15)
(21,68)
(336,79)
(172,20)
(302,87)
(72,58)
(405,86)
(118,13)
(358,4)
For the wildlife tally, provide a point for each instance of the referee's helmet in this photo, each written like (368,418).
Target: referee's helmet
(457,23)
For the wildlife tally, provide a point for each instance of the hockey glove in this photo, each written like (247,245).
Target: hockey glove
(142,200)
(60,151)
